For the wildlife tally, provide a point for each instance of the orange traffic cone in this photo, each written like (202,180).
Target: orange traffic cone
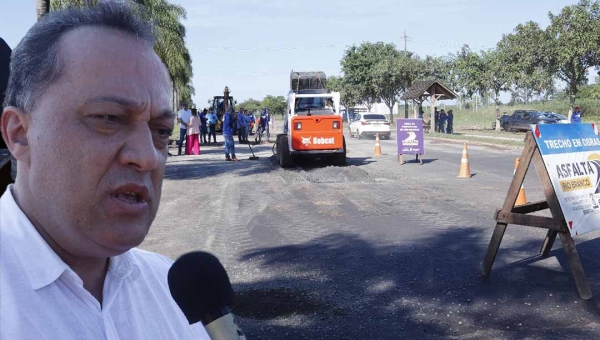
(377,146)
(521,199)
(465,169)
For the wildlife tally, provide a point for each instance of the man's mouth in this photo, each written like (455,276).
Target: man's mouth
(131,193)
(129,196)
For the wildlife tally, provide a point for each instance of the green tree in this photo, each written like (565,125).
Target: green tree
(277,105)
(358,64)
(440,68)
(590,91)
(468,66)
(348,95)
(575,37)
(394,74)
(251,104)
(185,94)
(170,40)
(41,7)
(527,61)
(493,74)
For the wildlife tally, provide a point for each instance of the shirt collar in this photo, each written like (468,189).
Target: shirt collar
(40,263)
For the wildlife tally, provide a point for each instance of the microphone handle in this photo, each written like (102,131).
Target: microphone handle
(224,328)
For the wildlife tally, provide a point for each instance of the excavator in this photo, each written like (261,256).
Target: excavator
(219,105)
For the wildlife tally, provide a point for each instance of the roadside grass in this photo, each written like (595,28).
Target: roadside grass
(460,137)
(492,133)
(484,117)
(175,133)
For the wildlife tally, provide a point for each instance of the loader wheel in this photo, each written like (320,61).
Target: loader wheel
(339,159)
(283,152)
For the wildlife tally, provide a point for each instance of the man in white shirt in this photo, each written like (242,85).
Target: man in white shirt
(69,226)
(183,118)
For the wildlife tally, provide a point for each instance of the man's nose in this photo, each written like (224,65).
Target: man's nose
(139,150)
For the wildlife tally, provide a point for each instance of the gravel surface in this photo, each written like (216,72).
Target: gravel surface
(373,250)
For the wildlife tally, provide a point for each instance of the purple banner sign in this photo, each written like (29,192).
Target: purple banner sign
(409,134)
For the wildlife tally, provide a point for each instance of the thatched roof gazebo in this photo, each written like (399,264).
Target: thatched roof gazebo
(431,89)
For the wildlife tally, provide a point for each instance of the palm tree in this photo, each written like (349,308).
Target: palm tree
(170,40)
(41,7)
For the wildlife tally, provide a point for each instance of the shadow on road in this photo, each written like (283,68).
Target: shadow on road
(199,168)
(410,159)
(342,286)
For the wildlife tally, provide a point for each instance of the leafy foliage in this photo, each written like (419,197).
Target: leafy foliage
(277,105)
(575,36)
(250,105)
(349,97)
(170,40)
(377,72)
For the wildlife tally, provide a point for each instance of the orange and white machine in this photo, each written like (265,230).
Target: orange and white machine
(313,126)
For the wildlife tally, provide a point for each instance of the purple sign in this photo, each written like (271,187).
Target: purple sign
(409,134)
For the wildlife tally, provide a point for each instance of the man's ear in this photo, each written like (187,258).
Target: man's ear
(14,124)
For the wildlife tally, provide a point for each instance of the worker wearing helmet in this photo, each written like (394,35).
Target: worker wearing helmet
(264,121)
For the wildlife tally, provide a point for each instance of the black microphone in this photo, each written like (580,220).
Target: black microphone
(201,288)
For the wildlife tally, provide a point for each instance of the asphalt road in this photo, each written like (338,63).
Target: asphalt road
(374,250)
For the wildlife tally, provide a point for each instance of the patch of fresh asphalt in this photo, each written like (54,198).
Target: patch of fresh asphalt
(375,249)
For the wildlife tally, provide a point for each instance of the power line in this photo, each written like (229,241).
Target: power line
(404,37)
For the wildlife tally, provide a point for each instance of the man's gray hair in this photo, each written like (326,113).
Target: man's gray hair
(36,61)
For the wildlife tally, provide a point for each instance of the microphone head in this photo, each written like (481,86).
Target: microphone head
(200,286)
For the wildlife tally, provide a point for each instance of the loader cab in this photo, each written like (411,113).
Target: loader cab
(218,107)
(314,106)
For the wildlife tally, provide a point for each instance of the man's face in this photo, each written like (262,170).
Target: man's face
(98,144)
(185,106)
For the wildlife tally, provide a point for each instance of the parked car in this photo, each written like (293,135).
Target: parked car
(521,120)
(370,124)
(562,119)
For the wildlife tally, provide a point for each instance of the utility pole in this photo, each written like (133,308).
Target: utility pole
(405,102)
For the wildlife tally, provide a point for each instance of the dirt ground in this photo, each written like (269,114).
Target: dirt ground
(374,250)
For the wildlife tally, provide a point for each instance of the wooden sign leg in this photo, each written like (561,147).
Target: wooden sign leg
(490,256)
(548,243)
(567,241)
(576,267)
(509,204)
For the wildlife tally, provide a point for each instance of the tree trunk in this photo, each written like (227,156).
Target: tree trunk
(173,100)
(391,107)
(572,94)
(42,7)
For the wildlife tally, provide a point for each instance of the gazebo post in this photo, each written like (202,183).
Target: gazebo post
(432,101)
(421,90)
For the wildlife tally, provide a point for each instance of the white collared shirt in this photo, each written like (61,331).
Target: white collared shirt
(42,298)
(185,116)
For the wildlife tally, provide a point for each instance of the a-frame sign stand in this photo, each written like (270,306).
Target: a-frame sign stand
(556,225)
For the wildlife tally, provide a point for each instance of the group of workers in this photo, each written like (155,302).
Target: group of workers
(444,121)
(246,122)
(195,127)
(242,123)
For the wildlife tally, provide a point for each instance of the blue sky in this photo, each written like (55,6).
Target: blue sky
(252,45)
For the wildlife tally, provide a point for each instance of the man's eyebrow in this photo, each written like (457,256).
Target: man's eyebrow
(122,101)
(167,114)
(129,104)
